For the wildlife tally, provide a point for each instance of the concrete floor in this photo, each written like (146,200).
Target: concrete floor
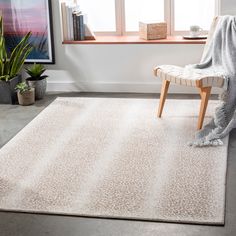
(14,118)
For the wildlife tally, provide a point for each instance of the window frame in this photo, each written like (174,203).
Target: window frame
(168,17)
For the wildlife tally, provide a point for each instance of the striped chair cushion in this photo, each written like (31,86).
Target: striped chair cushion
(188,77)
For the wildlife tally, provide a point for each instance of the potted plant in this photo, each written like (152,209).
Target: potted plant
(11,65)
(37,80)
(25,94)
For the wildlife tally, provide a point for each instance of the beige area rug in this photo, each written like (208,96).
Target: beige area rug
(113,158)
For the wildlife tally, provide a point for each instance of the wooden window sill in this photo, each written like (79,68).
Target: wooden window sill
(137,40)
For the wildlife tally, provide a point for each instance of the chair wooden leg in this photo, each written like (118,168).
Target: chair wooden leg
(164,90)
(205,94)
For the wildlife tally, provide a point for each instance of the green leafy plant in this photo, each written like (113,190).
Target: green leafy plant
(22,87)
(11,65)
(36,71)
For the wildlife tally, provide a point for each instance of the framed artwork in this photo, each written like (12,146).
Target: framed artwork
(22,16)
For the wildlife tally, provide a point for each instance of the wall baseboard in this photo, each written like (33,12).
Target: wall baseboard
(66,86)
(54,86)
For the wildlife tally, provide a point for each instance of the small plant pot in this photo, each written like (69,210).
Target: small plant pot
(40,87)
(8,93)
(26,98)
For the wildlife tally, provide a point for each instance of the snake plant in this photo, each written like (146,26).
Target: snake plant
(12,63)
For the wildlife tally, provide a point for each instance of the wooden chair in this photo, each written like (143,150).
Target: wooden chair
(179,75)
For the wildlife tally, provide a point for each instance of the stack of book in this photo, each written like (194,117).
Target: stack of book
(74,23)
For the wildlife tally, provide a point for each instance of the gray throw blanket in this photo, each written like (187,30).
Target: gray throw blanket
(221,57)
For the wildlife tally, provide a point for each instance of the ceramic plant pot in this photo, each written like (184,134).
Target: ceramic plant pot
(40,87)
(8,94)
(26,98)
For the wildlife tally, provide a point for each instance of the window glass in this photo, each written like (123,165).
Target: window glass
(142,10)
(192,12)
(100,14)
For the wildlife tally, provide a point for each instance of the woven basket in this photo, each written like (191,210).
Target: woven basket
(152,30)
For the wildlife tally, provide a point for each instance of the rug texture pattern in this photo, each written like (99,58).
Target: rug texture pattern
(111,157)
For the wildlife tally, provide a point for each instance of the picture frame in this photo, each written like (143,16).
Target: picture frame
(22,16)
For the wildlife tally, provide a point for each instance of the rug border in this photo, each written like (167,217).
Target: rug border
(206,223)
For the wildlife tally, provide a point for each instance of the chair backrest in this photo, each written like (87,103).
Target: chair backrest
(210,35)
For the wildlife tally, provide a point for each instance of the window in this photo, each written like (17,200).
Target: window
(121,17)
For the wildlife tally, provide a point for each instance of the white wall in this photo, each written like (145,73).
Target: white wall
(228,7)
(117,68)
